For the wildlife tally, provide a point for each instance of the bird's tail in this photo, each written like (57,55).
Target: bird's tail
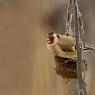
(88,47)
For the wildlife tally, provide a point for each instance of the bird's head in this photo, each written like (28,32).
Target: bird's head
(52,38)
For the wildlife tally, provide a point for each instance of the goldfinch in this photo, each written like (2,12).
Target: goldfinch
(64,50)
(62,45)
(65,46)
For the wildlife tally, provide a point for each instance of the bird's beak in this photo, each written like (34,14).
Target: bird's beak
(49,41)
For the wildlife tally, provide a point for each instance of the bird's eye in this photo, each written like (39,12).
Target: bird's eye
(58,36)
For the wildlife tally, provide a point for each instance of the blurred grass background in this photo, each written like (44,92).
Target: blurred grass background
(25,62)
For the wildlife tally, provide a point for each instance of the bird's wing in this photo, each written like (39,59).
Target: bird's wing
(64,47)
(67,40)
(66,43)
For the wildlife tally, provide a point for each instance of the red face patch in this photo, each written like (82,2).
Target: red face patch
(50,36)
(50,39)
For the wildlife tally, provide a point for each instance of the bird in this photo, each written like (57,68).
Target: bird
(65,46)
(64,50)
(61,45)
